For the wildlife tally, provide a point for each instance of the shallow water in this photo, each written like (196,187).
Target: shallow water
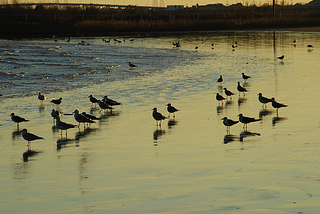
(125,163)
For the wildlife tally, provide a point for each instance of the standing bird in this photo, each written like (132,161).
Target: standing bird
(91,117)
(104,105)
(93,100)
(110,101)
(171,109)
(309,46)
(29,136)
(81,119)
(246,120)
(220,98)
(228,123)
(157,116)
(228,93)
(241,89)
(17,119)
(57,101)
(62,125)
(277,105)
(132,65)
(41,97)
(263,100)
(220,79)
(245,77)
(55,113)
(281,57)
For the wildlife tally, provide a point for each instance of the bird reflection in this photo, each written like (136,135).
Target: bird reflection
(245,134)
(229,138)
(86,131)
(241,100)
(16,133)
(171,123)
(158,133)
(62,143)
(29,153)
(228,103)
(55,129)
(246,84)
(264,112)
(277,120)
(109,114)
(220,88)
(41,108)
(219,109)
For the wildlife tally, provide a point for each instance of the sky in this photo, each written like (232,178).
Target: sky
(165,2)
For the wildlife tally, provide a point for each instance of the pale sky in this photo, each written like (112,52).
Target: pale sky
(165,2)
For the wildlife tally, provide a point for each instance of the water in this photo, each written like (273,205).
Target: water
(125,163)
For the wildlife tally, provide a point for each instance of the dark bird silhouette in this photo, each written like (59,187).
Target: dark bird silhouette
(277,105)
(228,123)
(62,125)
(93,100)
(91,117)
(157,116)
(17,119)
(228,93)
(132,65)
(110,101)
(56,101)
(246,120)
(263,100)
(80,118)
(220,79)
(245,77)
(104,105)
(281,57)
(220,98)
(55,113)
(171,109)
(29,136)
(241,89)
(309,46)
(41,97)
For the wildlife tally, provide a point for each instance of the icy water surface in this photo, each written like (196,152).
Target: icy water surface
(124,163)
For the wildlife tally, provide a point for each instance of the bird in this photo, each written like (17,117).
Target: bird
(62,125)
(196,47)
(263,100)
(29,136)
(41,97)
(157,116)
(80,118)
(17,119)
(220,98)
(281,57)
(55,113)
(294,41)
(91,117)
(171,109)
(93,100)
(246,120)
(104,105)
(241,89)
(220,79)
(228,93)
(245,77)
(56,101)
(309,46)
(277,105)
(228,123)
(110,101)
(132,65)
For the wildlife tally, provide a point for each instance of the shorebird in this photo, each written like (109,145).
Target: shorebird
(228,123)
(263,100)
(91,117)
(277,105)
(171,109)
(157,116)
(81,119)
(41,97)
(104,105)
(241,89)
(245,77)
(132,65)
(309,46)
(62,125)
(55,113)
(246,120)
(29,136)
(56,101)
(220,79)
(281,57)
(228,93)
(93,100)
(110,101)
(17,119)
(220,98)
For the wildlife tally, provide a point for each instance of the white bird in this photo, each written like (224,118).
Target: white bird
(263,100)
(228,123)
(80,118)
(157,116)
(29,136)
(171,109)
(41,97)
(132,65)
(246,120)
(17,119)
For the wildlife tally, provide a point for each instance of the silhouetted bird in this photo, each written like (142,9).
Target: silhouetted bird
(110,101)
(171,109)
(80,118)
(220,98)
(228,123)
(62,125)
(157,116)
(93,100)
(241,89)
(263,100)
(41,97)
(220,79)
(245,77)
(29,136)
(56,101)
(276,104)
(17,119)
(132,65)
(246,120)
(228,93)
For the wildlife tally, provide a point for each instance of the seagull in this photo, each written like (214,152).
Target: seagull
(55,113)
(276,104)
(228,123)
(196,47)
(294,41)
(171,109)
(220,98)
(110,101)
(228,93)
(220,79)
(17,119)
(56,101)
(29,136)
(241,89)
(263,100)
(132,65)
(246,120)
(41,97)
(281,57)
(91,117)
(93,100)
(62,125)
(104,105)
(157,116)
(309,46)
(245,77)
(80,118)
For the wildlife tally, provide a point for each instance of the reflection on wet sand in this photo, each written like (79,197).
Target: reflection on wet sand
(219,109)
(171,123)
(42,108)
(29,153)
(86,131)
(264,112)
(229,138)
(158,133)
(16,133)
(241,100)
(247,134)
(63,143)
(277,120)
(228,103)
